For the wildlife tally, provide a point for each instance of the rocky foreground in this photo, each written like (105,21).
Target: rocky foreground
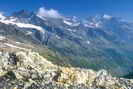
(29,70)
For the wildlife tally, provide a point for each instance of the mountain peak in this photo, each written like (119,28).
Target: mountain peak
(22,13)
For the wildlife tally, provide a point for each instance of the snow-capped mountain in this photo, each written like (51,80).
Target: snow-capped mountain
(96,42)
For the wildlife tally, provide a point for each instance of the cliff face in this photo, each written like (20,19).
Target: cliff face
(29,70)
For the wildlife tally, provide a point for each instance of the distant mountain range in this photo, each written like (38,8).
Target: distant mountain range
(99,42)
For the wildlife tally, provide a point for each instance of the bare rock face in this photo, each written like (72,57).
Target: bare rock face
(29,70)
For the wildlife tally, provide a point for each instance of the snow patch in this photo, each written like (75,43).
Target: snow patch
(19,43)
(68,23)
(29,33)
(69,29)
(93,25)
(2,37)
(76,24)
(23,25)
(58,37)
(13,19)
(88,42)
(71,23)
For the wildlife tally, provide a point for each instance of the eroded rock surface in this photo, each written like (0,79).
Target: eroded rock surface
(29,70)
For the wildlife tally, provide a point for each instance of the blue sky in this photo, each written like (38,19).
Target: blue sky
(80,8)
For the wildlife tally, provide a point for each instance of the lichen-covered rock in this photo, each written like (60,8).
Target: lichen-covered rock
(73,76)
(29,70)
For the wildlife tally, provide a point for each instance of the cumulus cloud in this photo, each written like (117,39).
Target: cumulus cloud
(48,13)
(2,16)
(107,16)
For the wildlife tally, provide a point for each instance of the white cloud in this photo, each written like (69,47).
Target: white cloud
(2,16)
(107,16)
(48,13)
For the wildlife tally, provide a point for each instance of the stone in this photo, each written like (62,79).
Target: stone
(29,70)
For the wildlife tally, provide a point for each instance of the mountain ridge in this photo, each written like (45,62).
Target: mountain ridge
(99,43)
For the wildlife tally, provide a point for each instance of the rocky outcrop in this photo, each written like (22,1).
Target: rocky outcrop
(29,70)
